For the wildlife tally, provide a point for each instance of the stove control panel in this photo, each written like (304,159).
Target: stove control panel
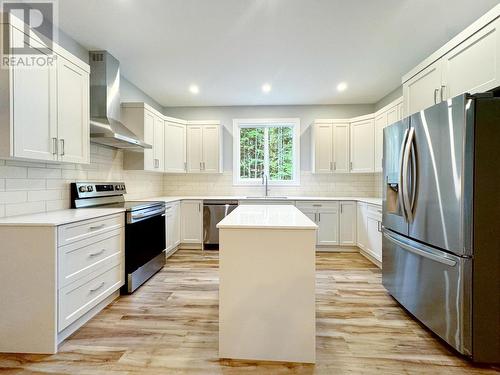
(93,190)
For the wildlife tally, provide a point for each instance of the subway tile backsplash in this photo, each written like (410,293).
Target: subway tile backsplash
(341,185)
(30,187)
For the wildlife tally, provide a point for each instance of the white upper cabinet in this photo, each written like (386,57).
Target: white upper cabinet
(203,147)
(330,147)
(211,148)
(385,116)
(474,65)
(470,62)
(73,112)
(341,148)
(323,148)
(194,148)
(175,146)
(362,146)
(147,124)
(159,144)
(44,110)
(423,90)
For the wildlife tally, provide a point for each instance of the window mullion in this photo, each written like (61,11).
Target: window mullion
(266,151)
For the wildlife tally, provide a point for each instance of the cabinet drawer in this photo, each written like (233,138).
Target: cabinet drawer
(317,205)
(83,257)
(84,229)
(78,298)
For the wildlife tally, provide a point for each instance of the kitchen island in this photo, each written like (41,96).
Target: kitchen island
(267,284)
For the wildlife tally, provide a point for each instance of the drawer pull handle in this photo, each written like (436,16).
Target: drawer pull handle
(97,227)
(97,288)
(97,254)
(316,205)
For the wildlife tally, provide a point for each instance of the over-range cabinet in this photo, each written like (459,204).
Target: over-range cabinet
(441,204)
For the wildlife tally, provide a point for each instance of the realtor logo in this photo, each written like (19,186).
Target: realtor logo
(32,36)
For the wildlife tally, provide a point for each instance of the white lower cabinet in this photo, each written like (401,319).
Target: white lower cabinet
(76,270)
(369,229)
(336,221)
(173,229)
(347,224)
(191,221)
(328,222)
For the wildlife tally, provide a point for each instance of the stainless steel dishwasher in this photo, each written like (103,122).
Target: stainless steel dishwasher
(213,212)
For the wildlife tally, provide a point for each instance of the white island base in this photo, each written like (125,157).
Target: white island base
(267,285)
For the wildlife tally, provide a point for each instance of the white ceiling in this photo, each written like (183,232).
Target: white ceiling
(303,48)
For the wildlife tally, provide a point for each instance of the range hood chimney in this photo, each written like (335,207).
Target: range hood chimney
(105,127)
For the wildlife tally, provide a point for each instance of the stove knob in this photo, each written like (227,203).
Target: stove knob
(82,189)
(90,188)
(117,187)
(123,187)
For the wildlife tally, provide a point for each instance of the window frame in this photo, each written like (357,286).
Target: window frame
(294,123)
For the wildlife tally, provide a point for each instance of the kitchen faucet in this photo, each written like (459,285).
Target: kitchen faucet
(264,182)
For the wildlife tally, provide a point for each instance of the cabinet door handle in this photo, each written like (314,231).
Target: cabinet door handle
(334,165)
(315,217)
(54,146)
(185,166)
(62,147)
(350,165)
(319,217)
(443,88)
(341,205)
(97,253)
(379,226)
(331,165)
(201,166)
(199,207)
(435,95)
(95,227)
(97,287)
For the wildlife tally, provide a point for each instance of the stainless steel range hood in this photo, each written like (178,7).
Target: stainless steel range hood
(105,127)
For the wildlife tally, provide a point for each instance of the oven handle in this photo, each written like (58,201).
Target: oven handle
(134,218)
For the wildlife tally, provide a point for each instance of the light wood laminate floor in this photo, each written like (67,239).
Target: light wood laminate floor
(170,326)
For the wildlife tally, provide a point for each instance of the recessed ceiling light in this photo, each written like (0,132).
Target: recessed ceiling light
(341,86)
(194,89)
(266,87)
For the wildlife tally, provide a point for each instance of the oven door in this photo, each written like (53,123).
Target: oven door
(145,241)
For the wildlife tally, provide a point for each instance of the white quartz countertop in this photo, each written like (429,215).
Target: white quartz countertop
(266,217)
(60,217)
(168,199)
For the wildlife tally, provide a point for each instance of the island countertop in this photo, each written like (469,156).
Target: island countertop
(266,217)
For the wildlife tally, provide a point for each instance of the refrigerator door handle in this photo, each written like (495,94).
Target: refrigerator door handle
(414,177)
(406,159)
(417,251)
(401,181)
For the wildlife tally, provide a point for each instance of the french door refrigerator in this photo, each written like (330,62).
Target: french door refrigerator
(441,212)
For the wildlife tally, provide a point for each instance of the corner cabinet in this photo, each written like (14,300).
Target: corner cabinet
(147,124)
(203,147)
(470,63)
(362,145)
(330,147)
(175,145)
(44,110)
(384,117)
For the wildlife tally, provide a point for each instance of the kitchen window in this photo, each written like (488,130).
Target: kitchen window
(267,147)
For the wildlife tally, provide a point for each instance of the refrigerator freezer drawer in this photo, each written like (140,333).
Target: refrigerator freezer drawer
(432,285)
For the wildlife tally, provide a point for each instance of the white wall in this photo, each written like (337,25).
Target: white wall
(306,113)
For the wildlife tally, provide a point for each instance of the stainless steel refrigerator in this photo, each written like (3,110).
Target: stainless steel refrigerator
(441,220)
